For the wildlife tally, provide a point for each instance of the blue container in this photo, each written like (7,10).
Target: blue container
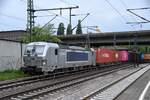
(142,56)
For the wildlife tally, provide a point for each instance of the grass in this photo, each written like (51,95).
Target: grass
(11,74)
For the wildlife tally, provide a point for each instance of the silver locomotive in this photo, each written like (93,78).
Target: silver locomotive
(47,57)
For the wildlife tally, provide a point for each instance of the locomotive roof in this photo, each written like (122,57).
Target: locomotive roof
(44,43)
(65,46)
(55,45)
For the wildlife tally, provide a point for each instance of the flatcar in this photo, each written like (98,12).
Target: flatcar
(47,57)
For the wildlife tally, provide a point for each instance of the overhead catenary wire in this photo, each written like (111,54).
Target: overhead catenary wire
(114,43)
(65,2)
(118,12)
(138,15)
(13,17)
(48,11)
(44,15)
(126,7)
(135,35)
(8,25)
(145,8)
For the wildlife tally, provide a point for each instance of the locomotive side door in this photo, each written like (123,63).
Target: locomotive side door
(52,58)
(61,58)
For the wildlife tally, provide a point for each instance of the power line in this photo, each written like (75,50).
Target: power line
(82,20)
(13,17)
(44,16)
(130,10)
(48,11)
(116,10)
(138,15)
(60,9)
(145,8)
(125,6)
(7,25)
(63,1)
(121,17)
(49,21)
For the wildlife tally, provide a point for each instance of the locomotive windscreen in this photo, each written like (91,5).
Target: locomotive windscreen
(38,49)
(77,56)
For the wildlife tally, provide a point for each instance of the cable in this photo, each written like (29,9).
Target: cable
(125,7)
(13,17)
(117,12)
(47,11)
(123,3)
(133,17)
(67,2)
(44,16)
(10,26)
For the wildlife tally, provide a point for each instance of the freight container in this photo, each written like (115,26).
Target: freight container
(104,55)
(142,56)
(147,57)
(123,56)
(134,57)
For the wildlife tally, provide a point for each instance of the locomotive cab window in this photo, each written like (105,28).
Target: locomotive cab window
(56,51)
(38,49)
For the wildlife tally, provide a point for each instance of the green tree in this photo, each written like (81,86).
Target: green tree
(41,34)
(79,29)
(69,29)
(61,29)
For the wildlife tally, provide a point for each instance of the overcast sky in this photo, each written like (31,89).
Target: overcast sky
(108,15)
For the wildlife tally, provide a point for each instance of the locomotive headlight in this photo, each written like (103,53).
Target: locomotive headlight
(44,62)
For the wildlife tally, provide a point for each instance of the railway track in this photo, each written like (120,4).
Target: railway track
(113,90)
(30,80)
(54,86)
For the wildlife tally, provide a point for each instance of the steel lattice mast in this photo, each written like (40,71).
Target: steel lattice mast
(30,17)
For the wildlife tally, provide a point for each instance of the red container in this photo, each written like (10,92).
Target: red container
(123,56)
(146,56)
(104,55)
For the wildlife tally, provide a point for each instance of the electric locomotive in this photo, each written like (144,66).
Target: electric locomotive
(47,57)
